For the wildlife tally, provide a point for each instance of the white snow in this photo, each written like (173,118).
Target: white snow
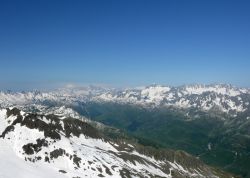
(199,89)
(14,166)
(154,93)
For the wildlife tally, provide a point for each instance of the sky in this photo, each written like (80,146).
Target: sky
(46,44)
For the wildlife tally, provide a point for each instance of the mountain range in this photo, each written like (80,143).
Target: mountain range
(225,98)
(210,122)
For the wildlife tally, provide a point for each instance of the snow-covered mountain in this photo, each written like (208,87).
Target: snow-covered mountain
(224,98)
(34,145)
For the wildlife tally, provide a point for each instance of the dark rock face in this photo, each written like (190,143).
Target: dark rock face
(14,112)
(107,170)
(76,160)
(31,148)
(31,121)
(56,153)
(7,130)
(77,127)
(28,149)
(62,171)
(46,159)
(125,173)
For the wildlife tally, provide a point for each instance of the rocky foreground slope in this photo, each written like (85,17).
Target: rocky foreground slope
(33,145)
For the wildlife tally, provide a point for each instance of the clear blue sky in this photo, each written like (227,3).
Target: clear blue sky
(46,43)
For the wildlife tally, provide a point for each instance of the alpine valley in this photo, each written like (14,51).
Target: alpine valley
(153,131)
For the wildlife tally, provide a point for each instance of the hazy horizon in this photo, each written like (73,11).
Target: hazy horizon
(50,87)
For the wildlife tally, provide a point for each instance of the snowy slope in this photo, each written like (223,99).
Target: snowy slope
(33,145)
(13,166)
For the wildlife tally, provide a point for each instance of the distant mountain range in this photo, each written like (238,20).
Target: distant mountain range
(211,122)
(221,97)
